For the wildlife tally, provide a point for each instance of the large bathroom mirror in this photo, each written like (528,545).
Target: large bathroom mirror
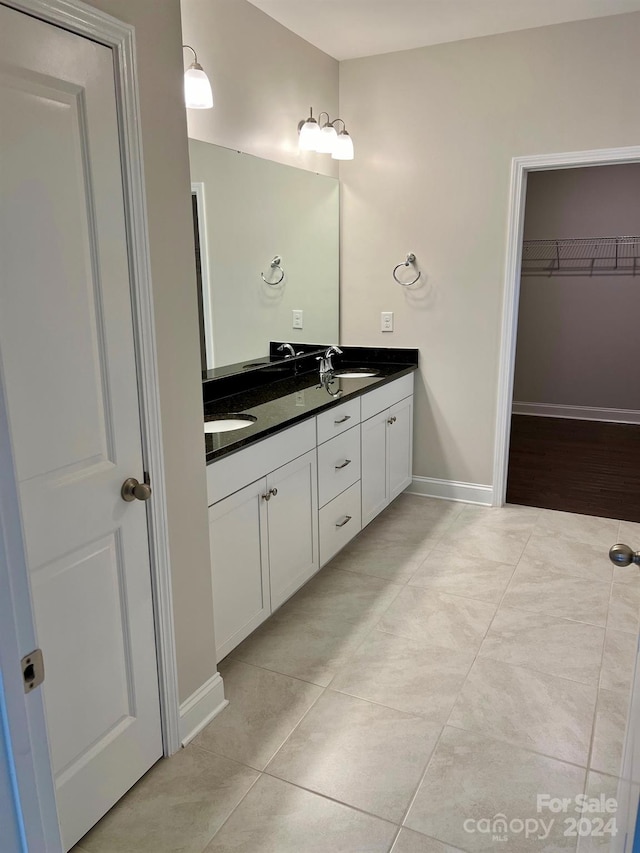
(267,245)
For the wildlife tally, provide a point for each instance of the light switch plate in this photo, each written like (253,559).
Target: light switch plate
(297,318)
(386,321)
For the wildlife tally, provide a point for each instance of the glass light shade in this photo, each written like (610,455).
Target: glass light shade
(309,134)
(343,147)
(326,139)
(197,89)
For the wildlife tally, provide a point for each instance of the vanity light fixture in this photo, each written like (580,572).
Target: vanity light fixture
(314,135)
(197,88)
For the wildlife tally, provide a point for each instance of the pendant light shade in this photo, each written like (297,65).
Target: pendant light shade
(197,88)
(326,139)
(343,147)
(309,133)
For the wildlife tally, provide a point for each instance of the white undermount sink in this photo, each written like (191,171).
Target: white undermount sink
(227,423)
(355,372)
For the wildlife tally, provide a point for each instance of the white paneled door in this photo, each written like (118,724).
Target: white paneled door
(68,363)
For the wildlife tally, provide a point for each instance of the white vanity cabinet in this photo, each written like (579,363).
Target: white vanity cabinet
(285,505)
(264,535)
(387,441)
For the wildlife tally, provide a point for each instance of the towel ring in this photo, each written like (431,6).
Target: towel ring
(275,264)
(411,258)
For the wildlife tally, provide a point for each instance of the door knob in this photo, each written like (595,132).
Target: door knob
(132,490)
(622,555)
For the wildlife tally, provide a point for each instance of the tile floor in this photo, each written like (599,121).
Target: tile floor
(449,665)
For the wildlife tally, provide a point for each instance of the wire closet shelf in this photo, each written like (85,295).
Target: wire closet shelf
(582,256)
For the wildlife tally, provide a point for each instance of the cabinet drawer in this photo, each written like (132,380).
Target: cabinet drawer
(339,522)
(338,464)
(231,473)
(384,397)
(338,420)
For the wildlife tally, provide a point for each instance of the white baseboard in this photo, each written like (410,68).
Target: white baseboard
(450,490)
(579,413)
(201,707)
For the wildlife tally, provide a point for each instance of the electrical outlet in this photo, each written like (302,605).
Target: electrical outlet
(297,319)
(386,321)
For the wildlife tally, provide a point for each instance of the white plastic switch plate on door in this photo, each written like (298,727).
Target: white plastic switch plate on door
(297,319)
(386,321)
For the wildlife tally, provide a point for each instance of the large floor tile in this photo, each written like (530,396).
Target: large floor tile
(279,818)
(570,556)
(541,712)
(472,778)
(293,643)
(539,589)
(264,707)
(409,841)
(333,594)
(362,754)
(437,618)
(491,533)
(545,643)
(407,674)
(624,608)
(597,787)
(412,518)
(609,731)
(471,577)
(618,661)
(175,808)
(391,559)
(589,529)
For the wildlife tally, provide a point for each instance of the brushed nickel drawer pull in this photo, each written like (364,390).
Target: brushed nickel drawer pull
(342,523)
(342,420)
(344,465)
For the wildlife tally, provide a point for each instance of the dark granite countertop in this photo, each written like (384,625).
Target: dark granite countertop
(284,402)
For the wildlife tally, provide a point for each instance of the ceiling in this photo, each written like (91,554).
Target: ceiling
(349,28)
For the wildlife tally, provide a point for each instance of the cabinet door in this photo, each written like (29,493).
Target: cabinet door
(293,526)
(240,567)
(375,493)
(400,446)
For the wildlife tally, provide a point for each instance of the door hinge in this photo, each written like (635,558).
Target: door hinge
(32,670)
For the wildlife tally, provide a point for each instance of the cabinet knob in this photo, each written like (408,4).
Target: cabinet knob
(270,494)
(392,420)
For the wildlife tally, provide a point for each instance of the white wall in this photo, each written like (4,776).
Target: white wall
(578,335)
(264,80)
(436,130)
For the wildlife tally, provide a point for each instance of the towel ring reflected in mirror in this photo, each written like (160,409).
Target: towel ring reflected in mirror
(411,259)
(275,264)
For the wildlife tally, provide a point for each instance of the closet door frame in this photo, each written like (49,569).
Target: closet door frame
(520,168)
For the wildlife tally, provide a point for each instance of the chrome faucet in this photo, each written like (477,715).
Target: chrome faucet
(291,352)
(326,365)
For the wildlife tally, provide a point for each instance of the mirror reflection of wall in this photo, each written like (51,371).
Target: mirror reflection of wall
(249,211)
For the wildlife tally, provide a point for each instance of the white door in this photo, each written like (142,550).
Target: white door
(68,362)
(292,514)
(399,446)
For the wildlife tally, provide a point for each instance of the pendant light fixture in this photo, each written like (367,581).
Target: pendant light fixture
(314,135)
(197,88)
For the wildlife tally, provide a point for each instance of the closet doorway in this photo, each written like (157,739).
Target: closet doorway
(575,416)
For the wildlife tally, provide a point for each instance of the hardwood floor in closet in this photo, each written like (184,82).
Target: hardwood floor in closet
(586,467)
